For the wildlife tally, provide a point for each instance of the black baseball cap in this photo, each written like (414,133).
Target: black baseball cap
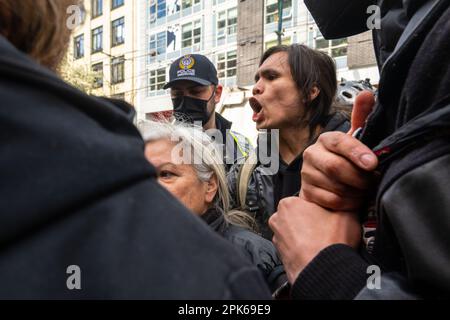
(193,67)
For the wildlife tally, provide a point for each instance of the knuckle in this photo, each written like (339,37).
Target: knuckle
(305,175)
(307,154)
(307,192)
(335,202)
(332,167)
(332,139)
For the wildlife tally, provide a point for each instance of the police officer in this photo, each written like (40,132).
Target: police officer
(195,91)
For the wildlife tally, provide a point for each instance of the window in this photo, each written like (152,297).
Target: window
(173,7)
(226,65)
(191,34)
(157,44)
(226,24)
(117,31)
(97,70)
(189,3)
(273,43)
(96,8)
(97,40)
(78,47)
(232,21)
(83,12)
(161,9)
(272,10)
(186,4)
(117,3)
(157,80)
(161,43)
(117,70)
(157,10)
(335,48)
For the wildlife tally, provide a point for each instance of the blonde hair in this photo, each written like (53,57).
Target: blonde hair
(37,28)
(202,147)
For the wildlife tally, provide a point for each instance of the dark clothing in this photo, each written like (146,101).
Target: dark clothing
(409,131)
(259,251)
(76,189)
(266,190)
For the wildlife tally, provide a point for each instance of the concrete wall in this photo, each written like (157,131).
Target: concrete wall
(250,39)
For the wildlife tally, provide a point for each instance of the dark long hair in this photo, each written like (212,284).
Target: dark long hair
(311,68)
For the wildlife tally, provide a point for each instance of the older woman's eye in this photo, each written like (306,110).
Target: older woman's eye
(166,174)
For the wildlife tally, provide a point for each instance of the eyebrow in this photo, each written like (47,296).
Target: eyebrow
(265,73)
(165,164)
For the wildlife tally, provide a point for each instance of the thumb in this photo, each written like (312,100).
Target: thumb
(364,103)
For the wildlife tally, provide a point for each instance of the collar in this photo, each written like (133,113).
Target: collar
(214,217)
(223,125)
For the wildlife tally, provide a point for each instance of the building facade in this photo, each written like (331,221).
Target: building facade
(168,29)
(104,46)
(233,34)
(354,56)
(129,45)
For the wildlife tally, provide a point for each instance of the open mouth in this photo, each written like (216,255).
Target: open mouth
(257,110)
(255,105)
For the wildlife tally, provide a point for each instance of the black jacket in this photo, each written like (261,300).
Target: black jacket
(266,190)
(76,189)
(259,251)
(409,131)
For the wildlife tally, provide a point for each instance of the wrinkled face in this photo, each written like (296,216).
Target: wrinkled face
(276,102)
(179,179)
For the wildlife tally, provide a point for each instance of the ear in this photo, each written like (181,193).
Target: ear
(218,96)
(315,91)
(211,189)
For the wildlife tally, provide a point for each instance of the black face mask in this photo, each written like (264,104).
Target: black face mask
(191,110)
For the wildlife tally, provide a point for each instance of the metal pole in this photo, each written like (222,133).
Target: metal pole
(280,21)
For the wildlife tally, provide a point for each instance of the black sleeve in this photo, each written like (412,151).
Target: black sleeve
(340,18)
(417,206)
(336,273)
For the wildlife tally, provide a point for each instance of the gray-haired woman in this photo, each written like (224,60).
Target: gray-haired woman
(189,166)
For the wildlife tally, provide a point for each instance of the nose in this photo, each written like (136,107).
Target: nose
(257,88)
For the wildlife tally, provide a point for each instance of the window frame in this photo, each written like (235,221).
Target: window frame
(98,11)
(226,65)
(193,37)
(94,37)
(115,6)
(157,85)
(98,79)
(114,27)
(224,32)
(275,13)
(118,68)
(76,47)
